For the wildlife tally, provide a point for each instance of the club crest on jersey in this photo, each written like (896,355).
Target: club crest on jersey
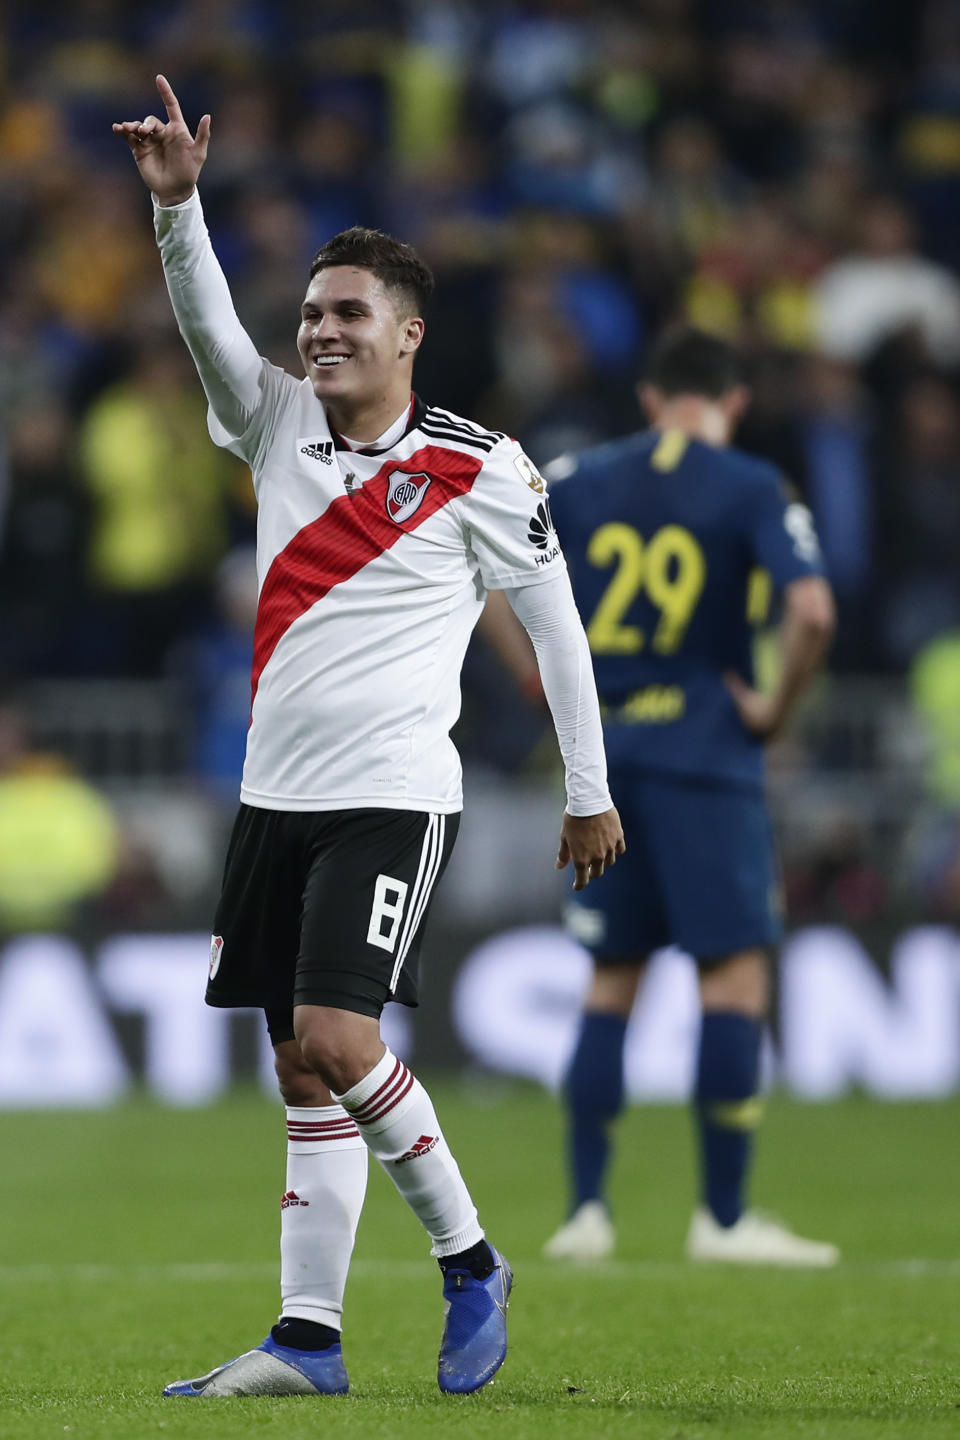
(529,473)
(216,950)
(404,495)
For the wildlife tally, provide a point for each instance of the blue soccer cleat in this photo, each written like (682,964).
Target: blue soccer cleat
(271,1369)
(474,1343)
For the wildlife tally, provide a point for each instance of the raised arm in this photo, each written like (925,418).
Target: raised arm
(170,160)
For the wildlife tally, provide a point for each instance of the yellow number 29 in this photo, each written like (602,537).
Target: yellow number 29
(672,570)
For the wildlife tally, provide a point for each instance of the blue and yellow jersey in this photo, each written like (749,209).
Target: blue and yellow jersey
(674,548)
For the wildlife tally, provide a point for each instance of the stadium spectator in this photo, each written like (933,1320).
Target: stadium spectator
(919,500)
(755,285)
(695,192)
(59,839)
(887,289)
(90,261)
(43,541)
(836,445)
(935,690)
(159,523)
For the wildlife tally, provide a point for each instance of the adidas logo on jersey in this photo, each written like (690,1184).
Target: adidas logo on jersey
(319,450)
(419,1147)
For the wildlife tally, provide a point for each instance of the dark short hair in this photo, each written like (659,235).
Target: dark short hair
(687,361)
(397,266)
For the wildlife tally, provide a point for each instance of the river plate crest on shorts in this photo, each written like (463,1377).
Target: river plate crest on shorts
(216,951)
(404,495)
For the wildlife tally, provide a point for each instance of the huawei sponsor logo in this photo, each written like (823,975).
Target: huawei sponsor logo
(542,534)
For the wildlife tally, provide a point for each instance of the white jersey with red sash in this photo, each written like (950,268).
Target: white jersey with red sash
(374,563)
(373,569)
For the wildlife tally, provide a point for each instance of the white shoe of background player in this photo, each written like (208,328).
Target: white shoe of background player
(587,1235)
(755,1239)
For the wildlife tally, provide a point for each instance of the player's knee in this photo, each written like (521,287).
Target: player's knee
(740,983)
(613,987)
(339,1047)
(299,1084)
(325,1058)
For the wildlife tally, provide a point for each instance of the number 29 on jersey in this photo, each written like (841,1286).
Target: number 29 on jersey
(669,568)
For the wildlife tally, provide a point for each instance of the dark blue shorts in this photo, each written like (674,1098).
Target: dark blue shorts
(700,872)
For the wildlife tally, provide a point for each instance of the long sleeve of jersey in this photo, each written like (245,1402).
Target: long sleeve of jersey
(549,615)
(225,356)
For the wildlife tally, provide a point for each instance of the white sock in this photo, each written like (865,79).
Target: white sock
(326,1183)
(396,1118)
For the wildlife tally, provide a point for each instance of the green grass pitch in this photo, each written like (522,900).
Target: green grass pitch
(138,1246)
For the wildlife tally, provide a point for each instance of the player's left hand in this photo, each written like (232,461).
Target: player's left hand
(592,842)
(760,713)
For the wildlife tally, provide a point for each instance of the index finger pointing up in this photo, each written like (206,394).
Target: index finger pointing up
(169,99)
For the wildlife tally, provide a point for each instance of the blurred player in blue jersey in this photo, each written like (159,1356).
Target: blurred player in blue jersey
(667,535)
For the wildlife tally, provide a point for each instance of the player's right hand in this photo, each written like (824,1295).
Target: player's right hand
(168,157)
(759,713)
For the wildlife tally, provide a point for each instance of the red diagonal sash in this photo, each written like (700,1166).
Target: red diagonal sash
(352,531)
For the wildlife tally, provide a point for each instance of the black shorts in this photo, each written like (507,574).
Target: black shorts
(325,908)
(700,872)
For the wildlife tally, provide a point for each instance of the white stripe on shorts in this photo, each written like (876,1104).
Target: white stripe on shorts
(431,855)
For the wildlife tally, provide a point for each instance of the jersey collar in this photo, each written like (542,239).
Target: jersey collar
(415,414)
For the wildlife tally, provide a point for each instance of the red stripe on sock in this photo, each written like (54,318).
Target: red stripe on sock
(322,1139)
(374,1098)
(322,1130)
(389,1102)
(318,1124)
(344,1123)
(370,1109)
(316,1139)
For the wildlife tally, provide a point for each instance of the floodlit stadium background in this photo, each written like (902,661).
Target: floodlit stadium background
(578,174)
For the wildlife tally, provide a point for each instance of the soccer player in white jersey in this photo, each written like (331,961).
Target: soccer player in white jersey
(383,523)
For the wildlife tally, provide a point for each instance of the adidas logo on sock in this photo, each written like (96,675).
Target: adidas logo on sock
(292,1198)
(418,1148)
(319,450)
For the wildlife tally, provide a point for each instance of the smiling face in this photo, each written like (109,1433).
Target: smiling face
(357,344)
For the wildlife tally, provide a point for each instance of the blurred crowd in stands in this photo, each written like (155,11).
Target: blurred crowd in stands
(578,173)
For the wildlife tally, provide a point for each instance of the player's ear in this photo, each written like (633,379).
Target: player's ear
(411,336)
(736,403)
(652,401)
